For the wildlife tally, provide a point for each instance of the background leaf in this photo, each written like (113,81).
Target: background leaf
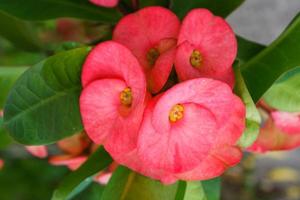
(5,140)
(144,3)
(252,115)
(266,67)
(43,105)
(219,7)
(128,185)
(98,161)
(8,76)
(50,9)
(284,95)
(18,32)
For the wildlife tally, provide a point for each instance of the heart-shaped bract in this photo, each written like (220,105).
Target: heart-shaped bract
(190,132)
(207,47)
(151,35)
(113,98)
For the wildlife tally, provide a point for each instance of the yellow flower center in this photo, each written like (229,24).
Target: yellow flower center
(126,97)
(196,59)
(152,56)
(176,113)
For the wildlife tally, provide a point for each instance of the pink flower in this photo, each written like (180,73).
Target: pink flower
(113,98)
(190,132)
(151,35)
(207,47)
(287,122)
(105,3)
(38,151)
(281,131)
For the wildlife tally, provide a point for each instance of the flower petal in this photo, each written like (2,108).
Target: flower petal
(38,151)
(214,39)
(287,122)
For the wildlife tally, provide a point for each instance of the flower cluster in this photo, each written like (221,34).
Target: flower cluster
(186,132)
(105,3)
(279,131)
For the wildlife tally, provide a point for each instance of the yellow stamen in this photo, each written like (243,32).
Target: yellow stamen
(126,97)
(176,113)
(196,59)
(152,56)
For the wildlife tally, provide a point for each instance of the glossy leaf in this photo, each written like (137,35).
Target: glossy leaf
(98,161)
(252,115)
(43,105)
(219,7)
(247,49)
(266,67)
(18,32)
(128,185)
(50,9)
(284,95)
(8,76)
(212,188)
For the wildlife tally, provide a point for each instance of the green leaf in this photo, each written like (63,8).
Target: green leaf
(18,32)
(98,161)
(50,9)
(204,190)
(266,67)
(247,49)
(5,140)
(252,115)
(8,76)
(145,3)
(43,105)
(128,185)
(219,7)
(181,190)
(285,93)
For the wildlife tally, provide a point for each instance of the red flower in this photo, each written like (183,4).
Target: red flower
(105,3)
(113,98)
(151,35)
(281,131)
(190,132)
(207,47)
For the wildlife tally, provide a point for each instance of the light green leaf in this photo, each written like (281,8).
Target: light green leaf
(50,9)
(204,190)
(43,105)
(128,185)
(252,115)
(98,161)
(266,67)
(219,7)
(8,76)
(18,32)
(284,95)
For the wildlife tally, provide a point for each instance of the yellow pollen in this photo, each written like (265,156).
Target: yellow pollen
(176,113)
(196,59)
(126,97)
(152,56)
